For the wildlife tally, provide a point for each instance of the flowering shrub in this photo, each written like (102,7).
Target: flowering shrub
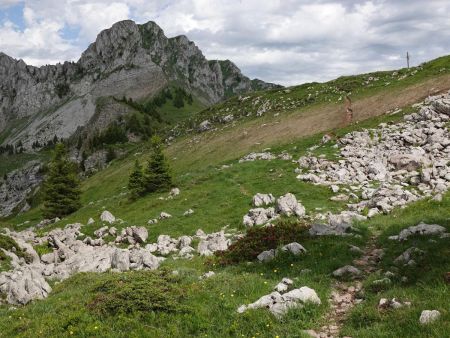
(259,239)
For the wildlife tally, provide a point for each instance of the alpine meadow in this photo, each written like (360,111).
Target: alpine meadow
(149,187)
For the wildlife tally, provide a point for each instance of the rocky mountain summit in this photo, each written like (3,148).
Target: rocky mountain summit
(127,60)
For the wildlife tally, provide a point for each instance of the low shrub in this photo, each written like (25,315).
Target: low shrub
(137,292)
(259,239)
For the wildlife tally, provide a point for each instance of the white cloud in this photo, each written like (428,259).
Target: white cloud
(289,41)
(39,43)
(93,17)
(9,3)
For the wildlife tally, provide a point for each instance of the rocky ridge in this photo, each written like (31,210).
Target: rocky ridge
(127,60)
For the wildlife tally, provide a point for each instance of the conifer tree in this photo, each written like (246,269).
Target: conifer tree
(178,100)
(136,182)
(157,176)
(61,188)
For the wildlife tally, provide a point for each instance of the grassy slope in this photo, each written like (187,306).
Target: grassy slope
(218,196)
(9,163)
(221,197)
(172,114)
(425,288)
(286,122)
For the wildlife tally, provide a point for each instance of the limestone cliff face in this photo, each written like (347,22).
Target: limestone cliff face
(136,61)
(17,186)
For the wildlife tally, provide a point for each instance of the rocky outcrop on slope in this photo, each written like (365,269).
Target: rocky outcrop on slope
(17,186)
(127,60)
(28,280)
(285,205)
(392,165)
(279,304)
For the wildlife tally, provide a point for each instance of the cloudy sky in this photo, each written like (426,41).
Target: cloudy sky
(283,41)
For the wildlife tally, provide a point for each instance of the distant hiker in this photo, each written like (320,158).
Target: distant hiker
(349,110)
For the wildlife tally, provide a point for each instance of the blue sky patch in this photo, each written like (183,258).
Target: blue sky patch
(13,14)
(70,32)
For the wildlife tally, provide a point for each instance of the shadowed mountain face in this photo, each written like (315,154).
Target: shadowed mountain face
(127,60)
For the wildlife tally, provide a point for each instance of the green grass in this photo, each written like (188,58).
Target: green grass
(8,244)
(43,249)
(425,287)
(172,115)
(9,163)
(218,197)
(16,125)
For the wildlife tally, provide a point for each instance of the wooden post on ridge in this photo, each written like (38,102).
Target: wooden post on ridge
(407,59)
(348,111)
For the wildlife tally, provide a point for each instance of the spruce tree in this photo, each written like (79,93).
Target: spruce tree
(157,176)
(110,154)
(61,188)
(136,182)
(178,100)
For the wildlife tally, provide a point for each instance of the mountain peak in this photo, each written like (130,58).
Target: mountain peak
(130,60)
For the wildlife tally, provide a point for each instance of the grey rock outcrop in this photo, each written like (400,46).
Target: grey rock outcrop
(285,205)
(205,126)
(347,271)
(120,260)
(107,217)
(279,304)
(207,275)
(422,229)
(408,256)
(294,248)
(284,285)
(320,229)
(132,235)
(288,205)
(27,280)
(23,285)
(393,303)
(19,184)
(257,156)
(164,215)
(266,256)
(213,242)
(259,216)
(391,165)
(260,200)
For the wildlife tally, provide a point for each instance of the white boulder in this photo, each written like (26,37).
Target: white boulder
(266,256)
(429,316)
(294,248)
(260,200)
(288,205)
(107,217)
